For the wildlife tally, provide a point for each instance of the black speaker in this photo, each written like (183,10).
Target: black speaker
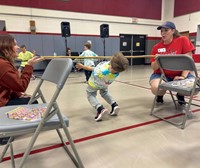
(65,29)
(104,30)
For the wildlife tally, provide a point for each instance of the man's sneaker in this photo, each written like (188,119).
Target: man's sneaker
(115,109)
(159,99)
(181,99)
(101,111)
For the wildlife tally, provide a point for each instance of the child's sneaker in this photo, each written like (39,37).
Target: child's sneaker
(115,109)
(100,113)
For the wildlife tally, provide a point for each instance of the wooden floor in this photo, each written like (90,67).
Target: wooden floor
(134,139)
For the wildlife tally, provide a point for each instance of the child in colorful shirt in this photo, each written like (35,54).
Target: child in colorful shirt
(102,76)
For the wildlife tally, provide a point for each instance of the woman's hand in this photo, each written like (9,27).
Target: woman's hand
(154,65)
(24,95)
(179,77)
(34,60)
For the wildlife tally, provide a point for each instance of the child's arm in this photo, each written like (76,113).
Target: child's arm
(81,66)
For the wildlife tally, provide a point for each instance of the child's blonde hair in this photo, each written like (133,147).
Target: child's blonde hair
(118,62)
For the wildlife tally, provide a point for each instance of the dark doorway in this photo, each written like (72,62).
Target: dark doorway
(133,45)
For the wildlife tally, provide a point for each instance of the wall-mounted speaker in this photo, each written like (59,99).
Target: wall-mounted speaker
(104,31)
(65,29)
(32,27)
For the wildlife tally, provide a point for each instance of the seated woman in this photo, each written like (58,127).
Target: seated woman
(12,84)
(172,43)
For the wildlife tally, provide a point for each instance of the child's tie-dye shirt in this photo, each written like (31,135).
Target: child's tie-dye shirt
(101,76)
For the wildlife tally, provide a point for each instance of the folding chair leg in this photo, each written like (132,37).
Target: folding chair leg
(152,108)
(64,126)
(188,114)
(12,156)
(30,146)
(6,149)
(4,152)
(66,148)
(173,100)
(80,164)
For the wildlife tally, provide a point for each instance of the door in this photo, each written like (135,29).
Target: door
(139,42)
(133,45)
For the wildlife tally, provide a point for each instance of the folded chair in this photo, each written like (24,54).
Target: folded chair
(57,73)
(186,87)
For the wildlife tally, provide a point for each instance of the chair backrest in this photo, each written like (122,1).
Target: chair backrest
(176,63)
(58,71)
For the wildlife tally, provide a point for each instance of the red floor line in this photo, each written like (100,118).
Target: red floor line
(94,136)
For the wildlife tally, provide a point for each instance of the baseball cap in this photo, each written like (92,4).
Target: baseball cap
(167,25)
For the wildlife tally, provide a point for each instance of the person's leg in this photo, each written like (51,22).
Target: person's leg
(4,141)
(89,74)
(91,96)
(108,98)
(181,99)
(86,75)
(154,82)
(19,101)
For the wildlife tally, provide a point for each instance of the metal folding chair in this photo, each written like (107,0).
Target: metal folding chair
(57,73)
(186,87)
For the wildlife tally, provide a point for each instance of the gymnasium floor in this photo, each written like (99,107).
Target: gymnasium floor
(134,139)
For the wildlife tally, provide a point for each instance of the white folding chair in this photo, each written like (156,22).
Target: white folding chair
(57,73)
(186,87)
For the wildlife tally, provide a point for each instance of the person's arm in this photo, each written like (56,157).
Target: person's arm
(81,66)
(10,78)
(34,60)
(154,65)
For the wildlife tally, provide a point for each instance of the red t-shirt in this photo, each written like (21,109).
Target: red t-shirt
(11,85)
(179,45)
